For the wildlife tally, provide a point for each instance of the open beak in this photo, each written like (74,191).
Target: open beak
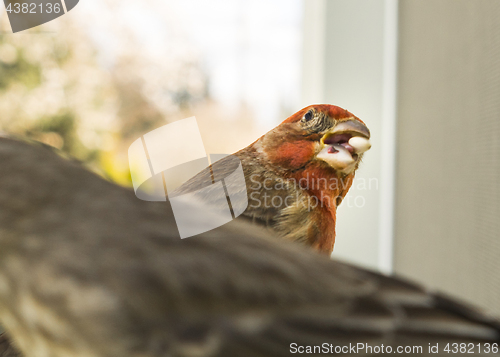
(342,146)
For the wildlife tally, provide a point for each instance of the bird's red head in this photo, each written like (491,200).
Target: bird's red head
(319,137)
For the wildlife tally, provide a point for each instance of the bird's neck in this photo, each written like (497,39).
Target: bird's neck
(300,205)
(325,185)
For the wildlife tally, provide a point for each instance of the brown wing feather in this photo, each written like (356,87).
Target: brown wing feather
(6,348)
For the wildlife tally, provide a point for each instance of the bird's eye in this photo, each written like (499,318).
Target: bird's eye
(308,116)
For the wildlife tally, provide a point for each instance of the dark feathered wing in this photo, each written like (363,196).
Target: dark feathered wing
(6,348)
(86,268)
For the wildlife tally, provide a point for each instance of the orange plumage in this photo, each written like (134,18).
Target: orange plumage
(299,172)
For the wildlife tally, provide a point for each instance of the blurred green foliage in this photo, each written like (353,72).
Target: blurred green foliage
(55,89)
(19,70)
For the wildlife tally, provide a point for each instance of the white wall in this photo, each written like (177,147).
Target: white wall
(347,45)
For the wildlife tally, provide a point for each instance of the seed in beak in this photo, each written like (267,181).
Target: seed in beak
(360,144)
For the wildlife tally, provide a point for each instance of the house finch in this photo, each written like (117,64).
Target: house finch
(87,269)
(297,174)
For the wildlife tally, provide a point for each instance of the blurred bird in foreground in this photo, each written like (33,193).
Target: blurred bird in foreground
(6,348)
(87,269)
(297,174)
